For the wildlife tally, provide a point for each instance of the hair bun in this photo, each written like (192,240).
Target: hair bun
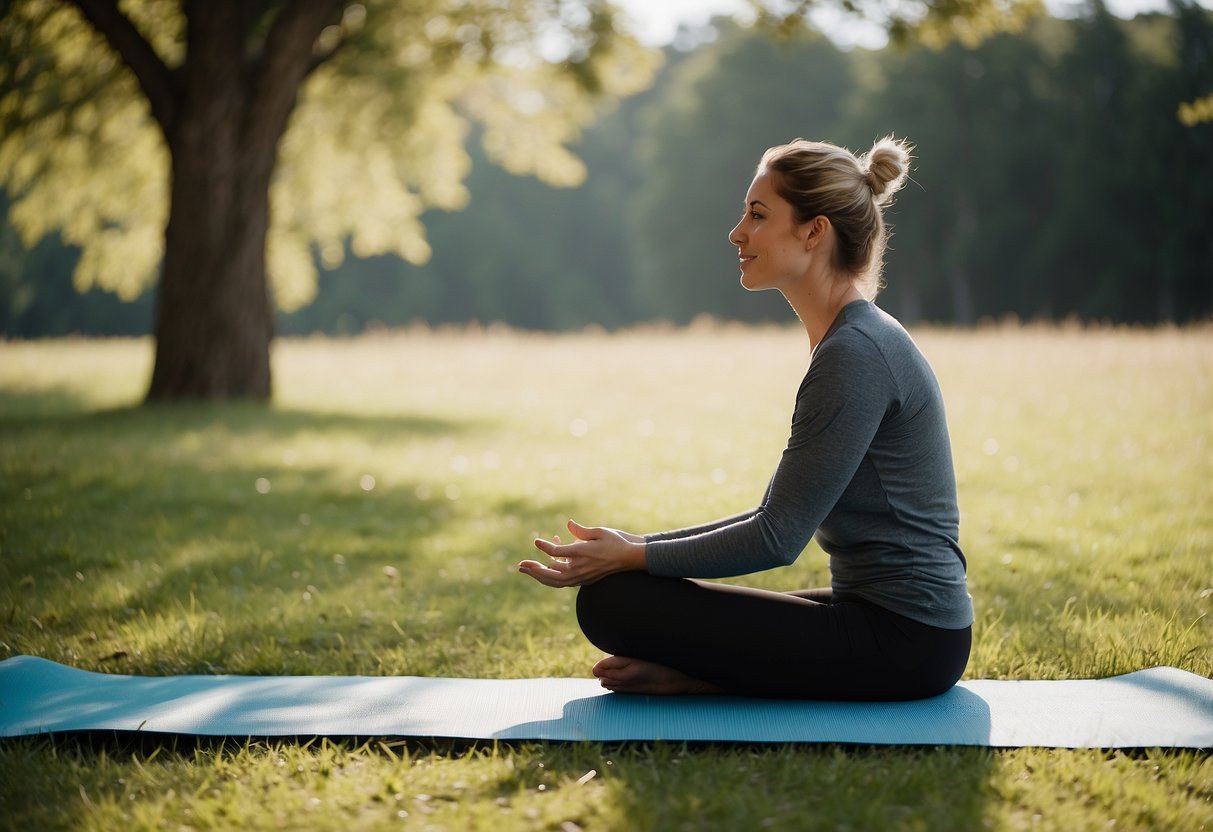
(885,167)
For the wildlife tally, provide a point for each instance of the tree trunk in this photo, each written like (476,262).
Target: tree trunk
(214,322)
(213,318)
(963,311)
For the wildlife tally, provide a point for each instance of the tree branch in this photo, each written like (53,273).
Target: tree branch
(154,77)
(323,58)
(288,50)
(285,60)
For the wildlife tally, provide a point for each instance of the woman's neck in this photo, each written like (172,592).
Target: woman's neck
(818,309)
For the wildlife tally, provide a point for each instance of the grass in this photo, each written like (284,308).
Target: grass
(368,523)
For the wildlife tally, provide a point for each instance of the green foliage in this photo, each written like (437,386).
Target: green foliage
(378,136)
(1196,112)
(934,24)
(381,135)
(37,298)
(230,538)
(521,252)
(78,150)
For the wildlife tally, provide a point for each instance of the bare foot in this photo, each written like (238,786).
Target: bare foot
(623,675)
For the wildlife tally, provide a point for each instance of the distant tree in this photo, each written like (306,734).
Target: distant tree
(1187,267)
(221,142)
(1052,177)
(1055,179)
(930,22)
(983,176)
(1129,238)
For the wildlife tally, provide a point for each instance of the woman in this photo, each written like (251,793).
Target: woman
(867,469)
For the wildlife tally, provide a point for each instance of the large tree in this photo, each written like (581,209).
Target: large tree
(125,122)
(227,145)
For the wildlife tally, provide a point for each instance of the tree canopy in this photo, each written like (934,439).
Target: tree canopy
(379,135)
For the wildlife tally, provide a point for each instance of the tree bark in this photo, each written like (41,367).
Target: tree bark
(213,318)
(214,321)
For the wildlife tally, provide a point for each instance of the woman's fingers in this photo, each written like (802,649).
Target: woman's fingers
(582,532)
(554,547)
(550,548)
(547,575)
(578,562)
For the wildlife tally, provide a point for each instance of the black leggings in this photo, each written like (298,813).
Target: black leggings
(751,642)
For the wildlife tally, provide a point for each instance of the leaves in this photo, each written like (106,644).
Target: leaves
(79,151)
(379,135)
(1199,111)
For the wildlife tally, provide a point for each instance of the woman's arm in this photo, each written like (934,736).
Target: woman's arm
(691,531)
(840,405)
(845,395)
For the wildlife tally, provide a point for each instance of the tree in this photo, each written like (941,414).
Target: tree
(120,123)
(982,175)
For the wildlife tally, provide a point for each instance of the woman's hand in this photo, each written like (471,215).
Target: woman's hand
(594,554)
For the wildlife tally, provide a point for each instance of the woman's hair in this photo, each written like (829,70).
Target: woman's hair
(822,179)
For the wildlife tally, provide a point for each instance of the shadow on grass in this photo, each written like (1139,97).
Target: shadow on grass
(18,407)
(66,411)
(814,787)
(148,540)
(651,785)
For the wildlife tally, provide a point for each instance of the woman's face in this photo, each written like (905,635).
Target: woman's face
(770,245)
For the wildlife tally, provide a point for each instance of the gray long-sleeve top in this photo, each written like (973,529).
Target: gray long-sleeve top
(867,469)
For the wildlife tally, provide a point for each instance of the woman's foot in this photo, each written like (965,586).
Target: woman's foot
(623,675)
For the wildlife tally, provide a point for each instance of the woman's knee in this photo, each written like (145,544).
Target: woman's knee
(603,607)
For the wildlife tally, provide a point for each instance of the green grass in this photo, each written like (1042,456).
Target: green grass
(368,523)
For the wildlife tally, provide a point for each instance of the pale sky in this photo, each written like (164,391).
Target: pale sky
(657,20)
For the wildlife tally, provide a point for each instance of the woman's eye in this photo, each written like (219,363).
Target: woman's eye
(754,215)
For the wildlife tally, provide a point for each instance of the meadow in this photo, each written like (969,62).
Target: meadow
(370,519)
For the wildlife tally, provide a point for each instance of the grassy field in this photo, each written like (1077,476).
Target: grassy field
(368,523)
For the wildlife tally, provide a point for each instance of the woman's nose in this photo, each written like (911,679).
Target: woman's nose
(735,236)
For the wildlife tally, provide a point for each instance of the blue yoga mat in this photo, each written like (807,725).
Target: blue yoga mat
(1159,707)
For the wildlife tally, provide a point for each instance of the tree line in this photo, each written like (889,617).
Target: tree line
(1053,179)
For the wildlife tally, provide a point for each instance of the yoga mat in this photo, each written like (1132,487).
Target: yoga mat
(1159,707)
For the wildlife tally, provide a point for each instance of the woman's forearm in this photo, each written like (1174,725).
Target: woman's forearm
(691,531)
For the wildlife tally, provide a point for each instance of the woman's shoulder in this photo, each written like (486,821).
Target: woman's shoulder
(866,316)
(868,343)
(852,352)
(862,328)
(865,327)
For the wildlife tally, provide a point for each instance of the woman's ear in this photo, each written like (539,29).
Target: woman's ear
(815,231)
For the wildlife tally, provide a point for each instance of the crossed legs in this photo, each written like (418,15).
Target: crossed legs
(674,636)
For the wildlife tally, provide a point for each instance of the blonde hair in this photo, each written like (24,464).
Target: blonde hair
(822,179)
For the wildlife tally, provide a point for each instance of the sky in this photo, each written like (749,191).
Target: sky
(657,21)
